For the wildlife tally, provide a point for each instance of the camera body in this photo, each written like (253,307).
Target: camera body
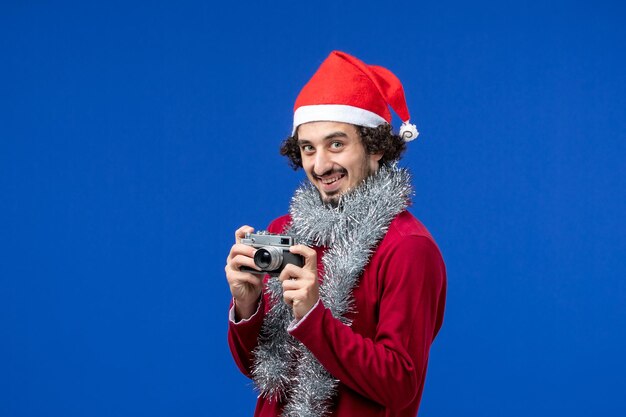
(272,253)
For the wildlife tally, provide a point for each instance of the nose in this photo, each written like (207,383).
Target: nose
(323,163)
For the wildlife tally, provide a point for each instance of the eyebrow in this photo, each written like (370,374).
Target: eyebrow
(337,134)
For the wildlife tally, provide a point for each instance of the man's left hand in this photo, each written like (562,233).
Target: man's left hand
(300,285)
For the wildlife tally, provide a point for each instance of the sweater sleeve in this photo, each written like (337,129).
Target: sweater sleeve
(389,368)
(243,337)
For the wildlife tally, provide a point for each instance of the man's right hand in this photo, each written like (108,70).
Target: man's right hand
(245,287)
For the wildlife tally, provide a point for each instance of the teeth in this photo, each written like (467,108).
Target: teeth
(330,180)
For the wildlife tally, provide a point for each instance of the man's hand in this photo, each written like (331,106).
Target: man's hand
(245,287)
(300,285)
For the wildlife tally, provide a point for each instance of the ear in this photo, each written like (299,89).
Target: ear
(374,159)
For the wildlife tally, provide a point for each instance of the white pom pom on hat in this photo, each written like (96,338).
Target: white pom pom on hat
(408,131)
(345,89)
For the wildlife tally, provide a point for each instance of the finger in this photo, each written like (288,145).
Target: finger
(241,232)
(309,255)
(241,249)
(293,297)
(244,277)
(240,260)
(293,272)
(288,297)
(241,277)
(290,272)
(291,284)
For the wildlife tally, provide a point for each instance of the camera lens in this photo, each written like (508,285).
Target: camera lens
(268,258)
(264,258)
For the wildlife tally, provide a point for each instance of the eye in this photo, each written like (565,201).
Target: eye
(336,145)
(307,148)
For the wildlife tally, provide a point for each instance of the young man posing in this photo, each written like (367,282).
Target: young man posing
(349,332)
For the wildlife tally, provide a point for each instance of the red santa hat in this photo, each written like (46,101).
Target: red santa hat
(344,89)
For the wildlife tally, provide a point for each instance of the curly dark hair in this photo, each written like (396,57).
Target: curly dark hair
(375,139)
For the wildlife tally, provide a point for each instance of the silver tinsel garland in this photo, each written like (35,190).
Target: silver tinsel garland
(284,369)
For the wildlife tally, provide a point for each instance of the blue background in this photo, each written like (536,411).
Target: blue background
(136,137)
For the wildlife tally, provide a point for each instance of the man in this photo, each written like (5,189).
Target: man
(349,332)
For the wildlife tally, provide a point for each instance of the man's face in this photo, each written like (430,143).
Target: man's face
(334,158)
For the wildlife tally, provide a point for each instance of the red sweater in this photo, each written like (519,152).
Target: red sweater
(380,361)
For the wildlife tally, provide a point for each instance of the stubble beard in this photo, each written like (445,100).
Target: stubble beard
(331,201)
(334,200)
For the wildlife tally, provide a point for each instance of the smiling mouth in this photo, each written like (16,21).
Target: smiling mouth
(332,179)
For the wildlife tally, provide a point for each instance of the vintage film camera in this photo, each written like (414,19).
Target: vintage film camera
(272,253)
